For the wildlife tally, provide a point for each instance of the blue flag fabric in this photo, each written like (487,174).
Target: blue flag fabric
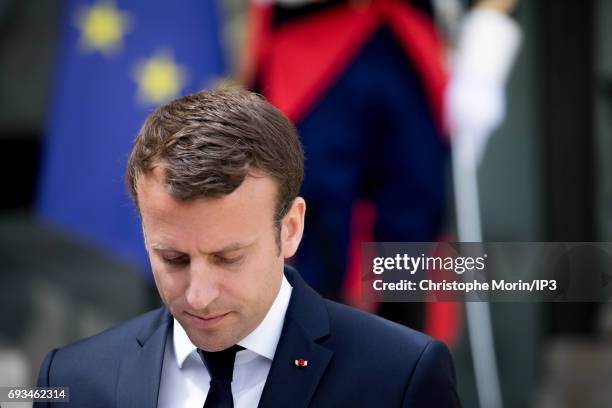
(117,61)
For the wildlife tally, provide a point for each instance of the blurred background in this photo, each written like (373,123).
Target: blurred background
(378,89)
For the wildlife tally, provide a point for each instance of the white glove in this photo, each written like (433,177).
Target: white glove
(475,99)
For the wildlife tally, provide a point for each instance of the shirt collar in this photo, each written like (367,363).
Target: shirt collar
(262,341)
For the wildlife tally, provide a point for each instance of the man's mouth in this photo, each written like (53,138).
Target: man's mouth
(205,322)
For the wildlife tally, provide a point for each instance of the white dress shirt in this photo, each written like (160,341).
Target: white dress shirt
(185,381)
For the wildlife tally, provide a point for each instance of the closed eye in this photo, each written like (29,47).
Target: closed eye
(176,261)
(228,261)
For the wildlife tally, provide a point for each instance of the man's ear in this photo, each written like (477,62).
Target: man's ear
(292,227)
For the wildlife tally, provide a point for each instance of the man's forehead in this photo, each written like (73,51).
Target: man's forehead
(216,224)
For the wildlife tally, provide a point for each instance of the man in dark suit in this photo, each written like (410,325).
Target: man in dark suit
(215,177)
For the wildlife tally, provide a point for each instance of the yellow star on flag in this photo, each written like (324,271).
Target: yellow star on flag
(102,27)
(159,78)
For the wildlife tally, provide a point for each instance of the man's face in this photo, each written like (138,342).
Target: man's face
(216,261)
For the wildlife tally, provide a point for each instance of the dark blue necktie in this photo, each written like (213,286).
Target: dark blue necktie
(220,365)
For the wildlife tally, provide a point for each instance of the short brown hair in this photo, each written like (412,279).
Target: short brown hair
(208,142)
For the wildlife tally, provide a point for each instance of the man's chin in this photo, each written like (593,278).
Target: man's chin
(209,335)
(210,343)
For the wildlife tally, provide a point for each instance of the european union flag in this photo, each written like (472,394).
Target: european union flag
(117,61)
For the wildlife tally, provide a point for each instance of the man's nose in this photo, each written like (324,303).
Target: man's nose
(203,286)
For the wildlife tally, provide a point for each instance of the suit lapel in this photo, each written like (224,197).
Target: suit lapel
(140,372)
(306,321)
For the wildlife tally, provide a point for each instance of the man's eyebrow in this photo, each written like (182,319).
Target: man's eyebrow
(234,246)
(161,247)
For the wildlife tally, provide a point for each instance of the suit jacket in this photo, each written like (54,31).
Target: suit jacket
(354,359)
